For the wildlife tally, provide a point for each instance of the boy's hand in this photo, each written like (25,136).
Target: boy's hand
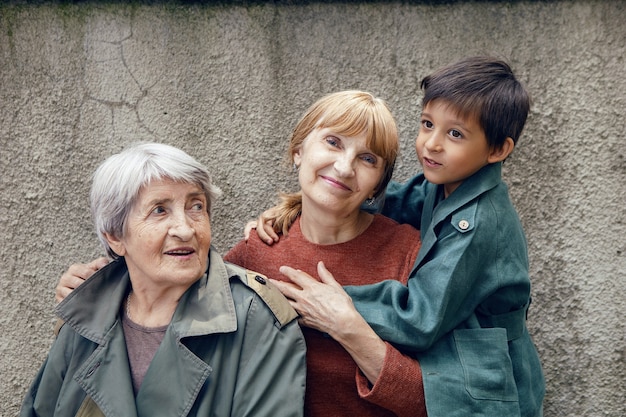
(76,275)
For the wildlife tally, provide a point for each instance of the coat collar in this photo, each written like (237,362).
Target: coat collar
(482,181)
(436,211)
(206,307)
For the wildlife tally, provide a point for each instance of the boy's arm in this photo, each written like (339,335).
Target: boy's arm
(485,266)
(404,201)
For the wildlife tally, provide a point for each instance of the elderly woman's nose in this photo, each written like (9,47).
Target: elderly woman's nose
(181,226)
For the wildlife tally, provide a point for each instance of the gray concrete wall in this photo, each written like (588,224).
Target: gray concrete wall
(227,83)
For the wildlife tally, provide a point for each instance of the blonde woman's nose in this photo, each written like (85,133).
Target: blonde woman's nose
(344,165)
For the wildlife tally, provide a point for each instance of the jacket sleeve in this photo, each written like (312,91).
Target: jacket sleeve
(404,201)
(399,387)
(43,394)
(272,374)
(28,405)
(484,264)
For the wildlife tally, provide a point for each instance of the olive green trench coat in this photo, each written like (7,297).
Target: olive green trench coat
(225,353)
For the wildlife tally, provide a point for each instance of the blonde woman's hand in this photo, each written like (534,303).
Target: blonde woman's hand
(76,275)
(265,233)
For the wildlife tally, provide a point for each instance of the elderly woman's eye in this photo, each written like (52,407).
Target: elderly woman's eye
(198,206)
(158,210)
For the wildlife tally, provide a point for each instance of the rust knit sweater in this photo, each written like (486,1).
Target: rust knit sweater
(386,250)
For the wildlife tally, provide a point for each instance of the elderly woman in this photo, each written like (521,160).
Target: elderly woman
(167,328)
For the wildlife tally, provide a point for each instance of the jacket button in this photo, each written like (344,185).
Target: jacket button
(463,224)
(260,279)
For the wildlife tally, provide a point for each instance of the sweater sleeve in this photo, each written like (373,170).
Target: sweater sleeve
(399,387)
(237,255)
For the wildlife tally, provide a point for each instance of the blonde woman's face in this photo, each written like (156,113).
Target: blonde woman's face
(337,173)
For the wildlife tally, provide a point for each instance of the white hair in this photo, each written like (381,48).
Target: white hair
(119,179)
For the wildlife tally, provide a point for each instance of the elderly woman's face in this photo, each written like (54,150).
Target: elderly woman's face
(167,236)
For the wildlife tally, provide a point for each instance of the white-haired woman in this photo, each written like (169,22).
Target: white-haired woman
(168,328)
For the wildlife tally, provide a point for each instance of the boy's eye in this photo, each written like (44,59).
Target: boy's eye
(427,124)
(456,134)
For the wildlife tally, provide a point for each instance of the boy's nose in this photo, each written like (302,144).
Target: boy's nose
(433,143)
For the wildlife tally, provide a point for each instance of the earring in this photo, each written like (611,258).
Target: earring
(370,201)
(295,167)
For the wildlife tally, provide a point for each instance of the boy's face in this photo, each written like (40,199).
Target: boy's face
(450,148)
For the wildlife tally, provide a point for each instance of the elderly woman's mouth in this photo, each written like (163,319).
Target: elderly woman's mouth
(180,252)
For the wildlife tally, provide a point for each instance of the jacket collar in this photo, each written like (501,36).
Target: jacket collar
(482,181)
(436,211)
(207,306)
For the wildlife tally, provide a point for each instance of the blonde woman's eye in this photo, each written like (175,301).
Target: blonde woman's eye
(332,141)
(370,159)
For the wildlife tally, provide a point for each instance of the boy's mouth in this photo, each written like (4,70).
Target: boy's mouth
(431,163)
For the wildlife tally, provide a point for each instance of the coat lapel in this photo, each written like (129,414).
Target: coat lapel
(108,367)
(186,371)
(176,374)
(436,211)
(206,308)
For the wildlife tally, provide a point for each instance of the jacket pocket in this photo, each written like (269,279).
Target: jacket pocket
(487,368)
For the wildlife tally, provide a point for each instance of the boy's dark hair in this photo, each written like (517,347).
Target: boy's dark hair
(484,87)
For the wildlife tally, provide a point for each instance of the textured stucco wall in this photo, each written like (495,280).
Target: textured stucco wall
(227,83)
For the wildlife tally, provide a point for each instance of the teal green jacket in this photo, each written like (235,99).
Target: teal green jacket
(463,311)
(225,353)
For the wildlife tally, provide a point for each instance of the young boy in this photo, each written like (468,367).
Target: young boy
(463,311)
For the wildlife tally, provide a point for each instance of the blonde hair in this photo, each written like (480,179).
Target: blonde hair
(348,113)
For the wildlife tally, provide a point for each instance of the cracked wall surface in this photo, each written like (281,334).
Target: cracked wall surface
(228,82)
